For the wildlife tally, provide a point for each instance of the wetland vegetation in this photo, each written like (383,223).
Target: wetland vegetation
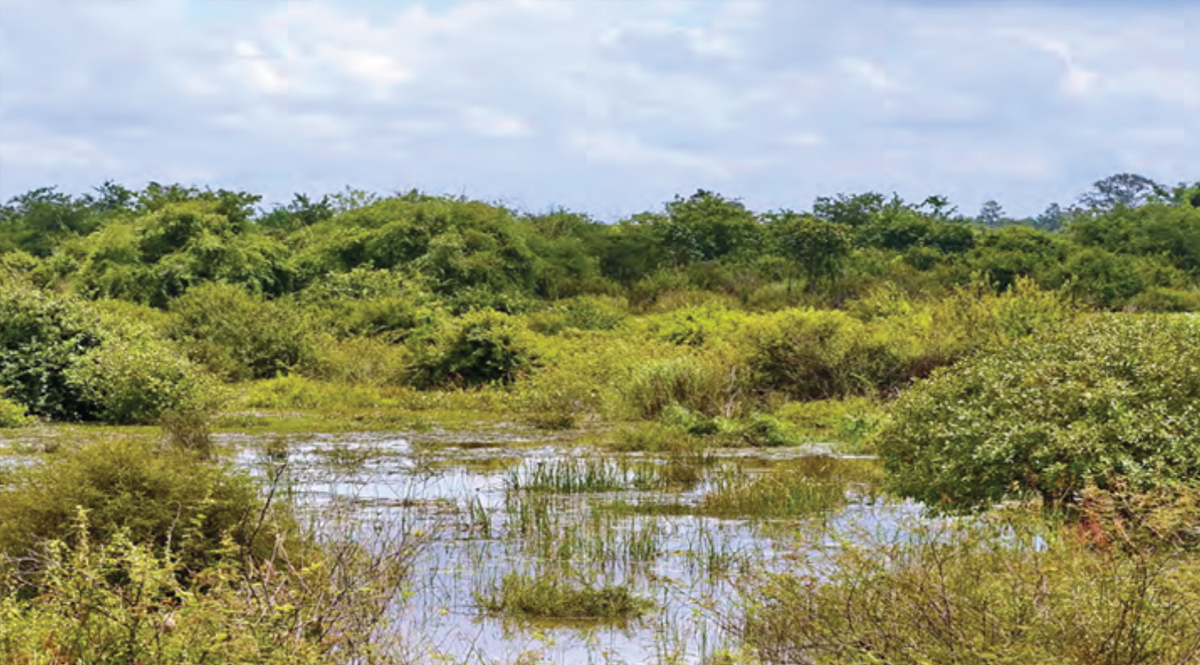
(425,429)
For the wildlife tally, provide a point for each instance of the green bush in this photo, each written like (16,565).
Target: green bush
(374,361)
(42,334)
(1166,300)
(62,359)
(479,347)
(813,354)
(137,379)
(12,414)
(581,313)
(238,335)
(696,325)
(702,383)
(1114,399)
(128,485)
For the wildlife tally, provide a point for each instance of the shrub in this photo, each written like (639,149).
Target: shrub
(479,347)
(705,384)
(42,334)
(373,361)
(126,485)
(811,354)
(238,335)
(138,379)
(298,392)
(1166,300)
(12,414)
(581,313)
(696,325)
(1113,399)
(117,600)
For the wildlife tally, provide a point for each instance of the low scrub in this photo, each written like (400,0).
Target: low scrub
(120,599)
(480,347)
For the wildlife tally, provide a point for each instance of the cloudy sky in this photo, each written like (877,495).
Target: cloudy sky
(604,106)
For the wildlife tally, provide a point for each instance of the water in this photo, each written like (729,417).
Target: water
(458,488)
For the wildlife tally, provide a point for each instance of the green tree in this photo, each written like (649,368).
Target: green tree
(818,248)
(707,227)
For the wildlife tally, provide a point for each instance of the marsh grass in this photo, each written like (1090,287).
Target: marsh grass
(989,591)
(811,485)
(549,596)
(569,476)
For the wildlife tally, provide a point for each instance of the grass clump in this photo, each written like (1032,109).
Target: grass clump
(809,486)
(130,486)
(1003,592)
(570,476)
(520,595)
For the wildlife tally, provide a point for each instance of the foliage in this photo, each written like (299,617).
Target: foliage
(12,414)
(116,599)
(812,354)
(695,325)
(702,383)
(476,348)
(137,379)
(41,337)
(1112,399)
(239,335)
(581,313)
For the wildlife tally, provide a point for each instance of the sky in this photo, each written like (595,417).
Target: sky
(608,107)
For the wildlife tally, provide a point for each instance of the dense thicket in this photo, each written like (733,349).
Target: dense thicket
(857,296)
(1116,248)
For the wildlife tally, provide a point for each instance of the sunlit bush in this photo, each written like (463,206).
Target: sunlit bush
(580,313)
(1113,399)
(12,414)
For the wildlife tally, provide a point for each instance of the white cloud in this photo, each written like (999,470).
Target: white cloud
(602,106)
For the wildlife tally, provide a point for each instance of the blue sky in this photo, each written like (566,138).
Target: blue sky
(605,106)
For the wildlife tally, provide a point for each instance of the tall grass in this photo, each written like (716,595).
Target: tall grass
(986,592)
